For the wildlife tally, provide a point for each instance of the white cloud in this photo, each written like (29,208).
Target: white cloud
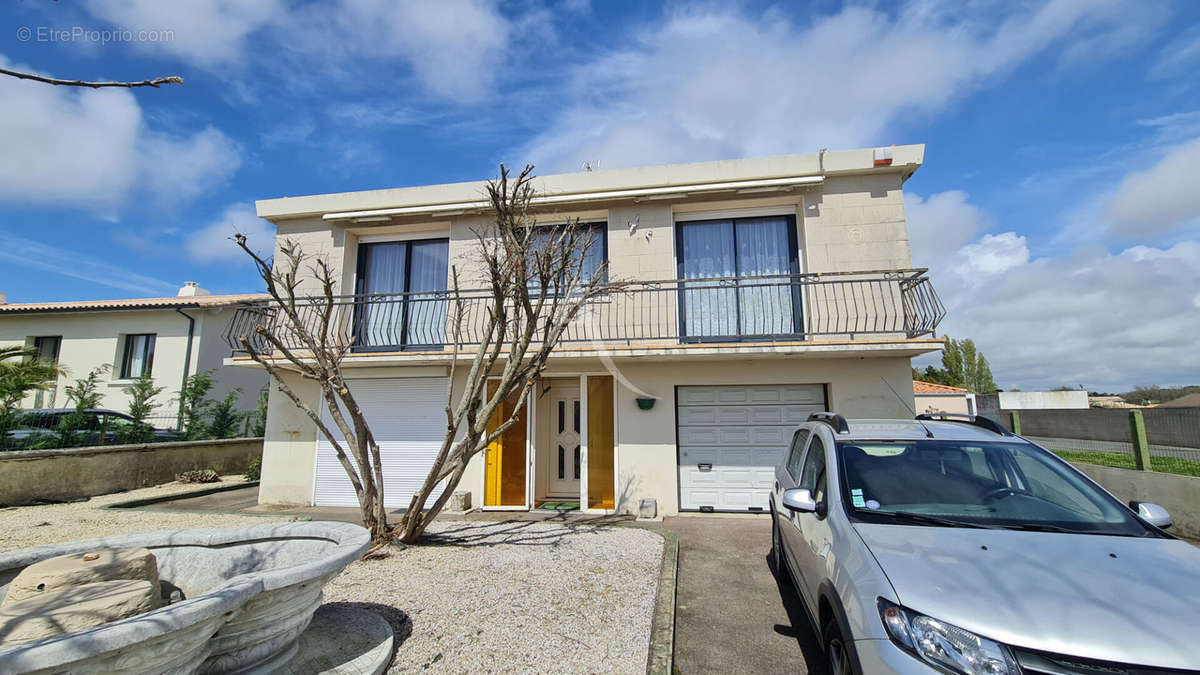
(1160,198)
(940,225)
(93,149)
(1108,320)
(713,82)
(1180,56)
(213,243)
(183,169)
(21,252)
(993,254)
(454,48)
(208,33)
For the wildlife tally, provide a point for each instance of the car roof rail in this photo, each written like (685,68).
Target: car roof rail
(832,419)
(977,420)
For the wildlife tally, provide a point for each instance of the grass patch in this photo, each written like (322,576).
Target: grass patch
(1185,467)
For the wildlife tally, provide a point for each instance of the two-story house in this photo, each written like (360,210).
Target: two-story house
(165,338)
(759,291)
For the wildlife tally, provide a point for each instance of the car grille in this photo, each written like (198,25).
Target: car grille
(1040,663)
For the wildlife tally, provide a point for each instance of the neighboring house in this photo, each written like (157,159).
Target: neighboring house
(168,338)
(761,290)
(933,398)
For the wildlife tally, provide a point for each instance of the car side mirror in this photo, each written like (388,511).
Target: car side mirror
(799,500)
(1148,511)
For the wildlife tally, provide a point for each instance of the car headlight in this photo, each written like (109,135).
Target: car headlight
(945,645)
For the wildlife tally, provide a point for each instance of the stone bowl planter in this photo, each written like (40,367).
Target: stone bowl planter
(248,593)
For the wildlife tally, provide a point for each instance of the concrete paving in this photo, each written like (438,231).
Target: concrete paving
(731,613)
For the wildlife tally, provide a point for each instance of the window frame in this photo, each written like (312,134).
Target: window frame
(147,355)
(793,270)
(798,453)
(821,478)
(361,293)
(600,226)
(57,346)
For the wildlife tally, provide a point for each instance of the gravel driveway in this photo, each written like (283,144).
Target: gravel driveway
(480,597)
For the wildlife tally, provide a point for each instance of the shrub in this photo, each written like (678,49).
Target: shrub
(255,470)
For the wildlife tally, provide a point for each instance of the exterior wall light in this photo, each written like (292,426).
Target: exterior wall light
(646,403)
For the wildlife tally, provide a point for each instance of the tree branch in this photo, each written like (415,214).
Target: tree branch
(156,82)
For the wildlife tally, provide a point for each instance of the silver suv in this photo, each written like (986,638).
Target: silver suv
(946,544)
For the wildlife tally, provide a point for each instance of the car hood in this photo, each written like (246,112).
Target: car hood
(1125,599)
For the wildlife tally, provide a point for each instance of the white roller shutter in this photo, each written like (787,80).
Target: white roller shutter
(732,436)
(408,420)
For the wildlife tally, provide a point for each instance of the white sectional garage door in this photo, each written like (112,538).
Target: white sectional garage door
(731,438)
(408,420)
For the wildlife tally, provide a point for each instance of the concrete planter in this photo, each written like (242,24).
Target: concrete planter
(248,595)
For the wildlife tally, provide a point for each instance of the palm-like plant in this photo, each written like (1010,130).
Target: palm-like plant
(20,373)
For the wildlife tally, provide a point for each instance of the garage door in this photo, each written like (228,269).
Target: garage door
(408,420)
(731,438)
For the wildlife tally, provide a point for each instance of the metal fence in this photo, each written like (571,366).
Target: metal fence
(1159,439)
(43,430)
(900,303)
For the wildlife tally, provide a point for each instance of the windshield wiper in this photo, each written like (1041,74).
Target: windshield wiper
(1044,527)
(930,520)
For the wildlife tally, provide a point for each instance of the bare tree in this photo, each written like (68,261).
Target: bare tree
(156,82)
(538,287)
(318,359)
(536,283)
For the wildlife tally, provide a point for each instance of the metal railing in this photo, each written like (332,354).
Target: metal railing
(764,309)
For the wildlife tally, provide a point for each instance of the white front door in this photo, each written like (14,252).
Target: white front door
(565,441)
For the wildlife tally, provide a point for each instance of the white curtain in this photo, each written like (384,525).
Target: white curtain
(709,308)
(383,273)
(741,249)
(763,249)
(427,299)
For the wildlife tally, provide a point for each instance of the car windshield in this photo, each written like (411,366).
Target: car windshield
(993,484)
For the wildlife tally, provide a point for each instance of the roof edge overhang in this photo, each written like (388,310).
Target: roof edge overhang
(668,191)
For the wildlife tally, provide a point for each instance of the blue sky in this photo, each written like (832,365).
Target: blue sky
(1059,206)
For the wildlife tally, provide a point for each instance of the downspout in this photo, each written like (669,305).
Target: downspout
(187,365)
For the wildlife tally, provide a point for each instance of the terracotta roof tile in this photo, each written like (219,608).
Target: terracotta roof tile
(931,388)
(199,301)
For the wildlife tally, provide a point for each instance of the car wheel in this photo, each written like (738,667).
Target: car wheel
(837,653)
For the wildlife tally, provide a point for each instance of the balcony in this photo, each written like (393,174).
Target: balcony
(794,309)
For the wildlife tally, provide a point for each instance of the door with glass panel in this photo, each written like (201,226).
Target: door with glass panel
(736,279)
(401,295)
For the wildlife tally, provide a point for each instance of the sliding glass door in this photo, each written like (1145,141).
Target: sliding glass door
(401,289)
(736,281)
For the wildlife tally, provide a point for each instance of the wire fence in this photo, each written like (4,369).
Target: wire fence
(1166,440)
(67,428)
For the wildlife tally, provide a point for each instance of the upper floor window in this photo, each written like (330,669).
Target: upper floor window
(593,258)
(408,282)
(743,269)
(137,358)
(47,348)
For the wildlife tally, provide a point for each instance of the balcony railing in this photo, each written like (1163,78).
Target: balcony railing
(766,309)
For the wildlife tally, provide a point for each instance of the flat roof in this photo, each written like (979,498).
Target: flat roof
(195,302)
(583,186)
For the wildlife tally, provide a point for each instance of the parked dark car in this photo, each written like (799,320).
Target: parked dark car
(97,427)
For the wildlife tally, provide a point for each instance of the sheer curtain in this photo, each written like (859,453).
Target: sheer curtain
(426,323)
(709,308)
(764,249)
(383,272)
